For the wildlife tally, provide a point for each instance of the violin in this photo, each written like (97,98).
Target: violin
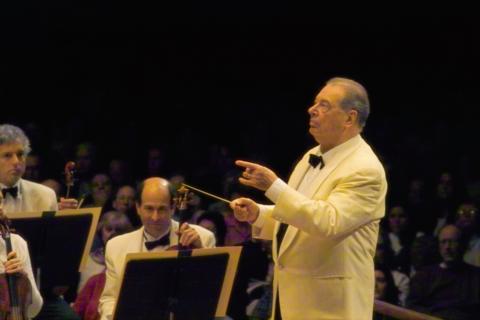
(180,201)
(69,174)
(14,306)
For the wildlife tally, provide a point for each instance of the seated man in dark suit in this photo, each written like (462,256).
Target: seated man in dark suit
(451,289)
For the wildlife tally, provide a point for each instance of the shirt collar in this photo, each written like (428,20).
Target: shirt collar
(18,185)
(331,154)
(149,237)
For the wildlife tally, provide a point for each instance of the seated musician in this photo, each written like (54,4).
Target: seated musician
(17,263)
(21,195)
(155,208)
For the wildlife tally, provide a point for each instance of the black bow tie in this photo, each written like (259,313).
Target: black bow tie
(163,241)
(13,191)
(315,160)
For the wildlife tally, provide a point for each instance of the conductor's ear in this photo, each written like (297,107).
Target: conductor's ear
(352,117)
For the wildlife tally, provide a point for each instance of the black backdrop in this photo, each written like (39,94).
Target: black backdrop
(128,76)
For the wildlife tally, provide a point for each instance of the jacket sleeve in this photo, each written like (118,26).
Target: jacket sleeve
(264,226)
(355,200)
(107,299)
(51,199)
(206,237)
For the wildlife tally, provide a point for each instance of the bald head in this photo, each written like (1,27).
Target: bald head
(153,186)
(449,231)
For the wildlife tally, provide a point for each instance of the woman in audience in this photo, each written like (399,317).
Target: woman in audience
(92,279)
(112,222)
(213,221)
(385,289)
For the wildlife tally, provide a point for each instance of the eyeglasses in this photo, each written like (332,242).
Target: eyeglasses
(467,212)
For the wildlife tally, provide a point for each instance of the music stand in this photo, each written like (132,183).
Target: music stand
(59,243)
(168,285)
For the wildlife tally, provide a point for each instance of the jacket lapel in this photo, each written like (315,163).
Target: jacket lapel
(294,181)
(137,237)
(324,173)
(300,169)
(29,197)
(313,188)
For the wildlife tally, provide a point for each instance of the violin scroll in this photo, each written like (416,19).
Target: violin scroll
(69,176)
(182,198)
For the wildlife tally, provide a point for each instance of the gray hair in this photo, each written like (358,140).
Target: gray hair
(356,98)
(12,134)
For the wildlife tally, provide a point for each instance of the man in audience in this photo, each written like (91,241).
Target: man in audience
(451,289)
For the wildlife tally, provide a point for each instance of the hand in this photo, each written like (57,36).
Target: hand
(256,176)
(189,236)
(69,203)
(13,264)
(245,209)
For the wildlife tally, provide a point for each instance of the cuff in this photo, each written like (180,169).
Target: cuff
(273,193)
(261,216)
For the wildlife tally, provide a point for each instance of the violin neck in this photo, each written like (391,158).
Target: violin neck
(15,311)
(8,242)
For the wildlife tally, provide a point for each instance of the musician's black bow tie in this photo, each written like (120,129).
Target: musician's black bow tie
(13,191)
(163,241)
(315,160)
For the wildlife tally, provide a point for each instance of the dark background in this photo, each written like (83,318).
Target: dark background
(128,76)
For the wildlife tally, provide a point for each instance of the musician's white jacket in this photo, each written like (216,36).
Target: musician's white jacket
(118,248)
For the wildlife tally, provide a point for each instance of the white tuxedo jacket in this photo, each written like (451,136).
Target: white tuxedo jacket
(34,197)
(324,269)
(132,242)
